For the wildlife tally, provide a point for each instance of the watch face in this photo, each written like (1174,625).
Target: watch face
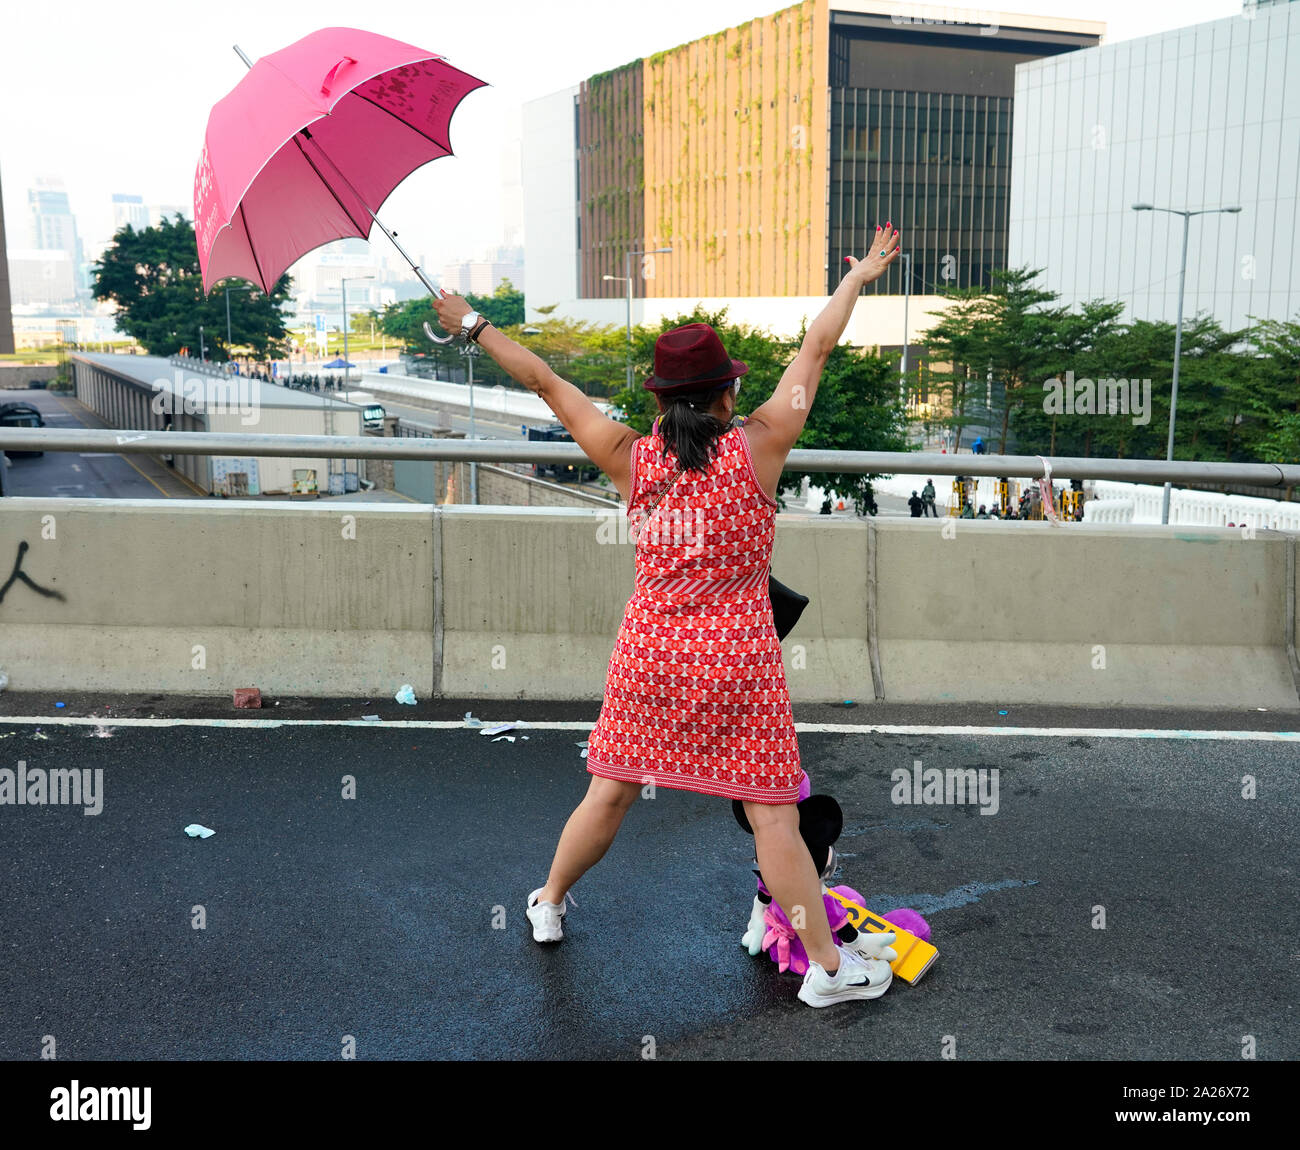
(467,324)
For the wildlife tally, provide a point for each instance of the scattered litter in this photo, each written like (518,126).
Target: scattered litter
(406,694)
(248,697)
(470,721)
(507,738)
(1002,712)
(60,704)
(100,732)
(277,702)
(501,728)
(197,832)
(40,734)
(583,745)
(372,718)
(10,735)
(1257,708)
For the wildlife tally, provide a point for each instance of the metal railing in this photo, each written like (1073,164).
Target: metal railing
(127,441)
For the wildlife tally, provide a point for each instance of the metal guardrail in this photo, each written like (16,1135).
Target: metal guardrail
(129,442)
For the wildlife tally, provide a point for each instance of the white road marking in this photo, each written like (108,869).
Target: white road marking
(801,728)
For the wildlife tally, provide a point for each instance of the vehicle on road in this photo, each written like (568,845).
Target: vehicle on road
(560,472)
(21,415)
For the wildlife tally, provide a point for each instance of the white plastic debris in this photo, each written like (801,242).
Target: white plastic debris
(505,738)
(372,718)
(501,728)
(583,745)
(470,721)
(197,832)
(406,694)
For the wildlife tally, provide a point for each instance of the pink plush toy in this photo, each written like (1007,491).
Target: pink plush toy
(770,929)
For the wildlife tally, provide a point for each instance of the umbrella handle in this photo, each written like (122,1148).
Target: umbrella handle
(429,331)
(329,76)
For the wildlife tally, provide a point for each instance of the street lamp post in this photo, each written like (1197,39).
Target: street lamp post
(627,267)
(907,295)
(469,351)
(203,357)
(343,283)
(1178,330)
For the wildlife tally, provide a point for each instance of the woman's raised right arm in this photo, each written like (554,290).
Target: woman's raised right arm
(775,426)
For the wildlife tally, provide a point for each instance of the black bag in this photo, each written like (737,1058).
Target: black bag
(787,606)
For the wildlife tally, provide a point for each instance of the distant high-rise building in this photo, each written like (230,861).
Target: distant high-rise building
(54,228)
(483,277)
(6,311)
(53,225)
(42,277)
(157,212)
(129,210)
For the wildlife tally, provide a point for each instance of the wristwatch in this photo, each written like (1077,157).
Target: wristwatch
(469,323)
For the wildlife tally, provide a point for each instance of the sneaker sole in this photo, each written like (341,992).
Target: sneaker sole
(851,994)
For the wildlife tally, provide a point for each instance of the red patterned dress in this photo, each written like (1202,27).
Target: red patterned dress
(696,696)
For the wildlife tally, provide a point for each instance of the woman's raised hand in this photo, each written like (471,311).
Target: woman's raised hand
(451,310)
(884,251)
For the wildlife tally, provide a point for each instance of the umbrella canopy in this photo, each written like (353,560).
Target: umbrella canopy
(311,142)
(340,362)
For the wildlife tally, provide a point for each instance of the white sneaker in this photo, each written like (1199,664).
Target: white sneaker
(856,978)
(546,917)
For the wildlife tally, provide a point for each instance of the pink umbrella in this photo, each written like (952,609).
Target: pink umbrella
(309,145)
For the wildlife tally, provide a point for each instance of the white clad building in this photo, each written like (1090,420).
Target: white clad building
(1201,117)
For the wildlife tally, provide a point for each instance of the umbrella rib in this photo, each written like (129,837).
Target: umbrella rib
(405,123)
(365,231)
(252,248)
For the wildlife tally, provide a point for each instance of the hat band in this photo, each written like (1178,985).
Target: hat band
(715,372)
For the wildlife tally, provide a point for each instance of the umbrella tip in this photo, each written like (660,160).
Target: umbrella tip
(246,60)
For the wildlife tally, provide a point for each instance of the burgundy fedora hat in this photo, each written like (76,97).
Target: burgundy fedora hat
(691,358)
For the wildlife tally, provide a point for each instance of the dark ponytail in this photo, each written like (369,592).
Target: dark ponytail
(689,430)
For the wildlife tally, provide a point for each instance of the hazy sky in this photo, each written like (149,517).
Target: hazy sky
(115,97)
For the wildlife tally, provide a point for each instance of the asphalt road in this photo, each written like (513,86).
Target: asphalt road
(373,916)
(87,475)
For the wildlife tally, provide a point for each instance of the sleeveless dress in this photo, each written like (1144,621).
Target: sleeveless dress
(696,697)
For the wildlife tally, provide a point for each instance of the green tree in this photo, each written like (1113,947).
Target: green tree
(153,277)
(504,307)
(1271,428)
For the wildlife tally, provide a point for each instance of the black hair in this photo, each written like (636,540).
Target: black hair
(688,428)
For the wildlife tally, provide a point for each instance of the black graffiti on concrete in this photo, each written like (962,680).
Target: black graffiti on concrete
(19,573)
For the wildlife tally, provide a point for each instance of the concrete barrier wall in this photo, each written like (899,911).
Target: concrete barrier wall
(356,599)
(284,596)
(20,375)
